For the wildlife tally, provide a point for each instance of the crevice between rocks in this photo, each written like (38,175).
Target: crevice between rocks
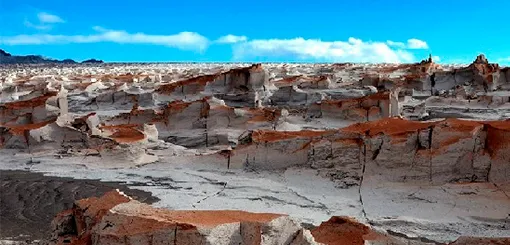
(318,204)
(418,147)
(431,131)
(488,150)
(376,152)
(504,193)
(207,197)
(474,177)
(294,237)
(363,164)
(420,239)
(432,83)
(175,234)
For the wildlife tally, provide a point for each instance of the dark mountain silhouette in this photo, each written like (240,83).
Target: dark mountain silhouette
(92,61)
(7,58)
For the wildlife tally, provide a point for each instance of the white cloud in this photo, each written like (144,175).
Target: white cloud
(436,58)
(353,50)
(99,29)
(40,27)
(49,18)
(396,44)
(414,43)
(182,40)
(231,39)
(45,21)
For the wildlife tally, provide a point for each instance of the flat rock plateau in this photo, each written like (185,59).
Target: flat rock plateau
(104,153)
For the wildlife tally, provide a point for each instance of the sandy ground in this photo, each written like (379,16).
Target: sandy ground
(29,201)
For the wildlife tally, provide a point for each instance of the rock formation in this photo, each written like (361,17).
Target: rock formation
(238,87)
(365,129)
(117,219)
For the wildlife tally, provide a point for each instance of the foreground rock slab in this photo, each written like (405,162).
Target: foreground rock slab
(116,218)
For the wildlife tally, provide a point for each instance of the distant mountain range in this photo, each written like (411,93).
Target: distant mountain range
(6,58)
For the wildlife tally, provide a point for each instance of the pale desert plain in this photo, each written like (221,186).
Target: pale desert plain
(273,153)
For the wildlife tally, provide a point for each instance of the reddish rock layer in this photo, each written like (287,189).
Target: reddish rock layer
(388,126)
(344,231)
(125,133)
(197,83)
(31,103)
(24,128)
(272,136)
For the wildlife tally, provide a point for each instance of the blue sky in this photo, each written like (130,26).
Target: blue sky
(264,30)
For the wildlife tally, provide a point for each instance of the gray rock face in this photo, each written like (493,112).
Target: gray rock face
(290,96)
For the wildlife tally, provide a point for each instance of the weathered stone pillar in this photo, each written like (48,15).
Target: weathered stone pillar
(394,106)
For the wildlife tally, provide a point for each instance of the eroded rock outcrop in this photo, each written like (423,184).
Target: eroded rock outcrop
(305,82)
(238,87)
(117,219)
(67,135)
(203,122)
(367,108)
(33,110)
(397,149)
(344,230)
